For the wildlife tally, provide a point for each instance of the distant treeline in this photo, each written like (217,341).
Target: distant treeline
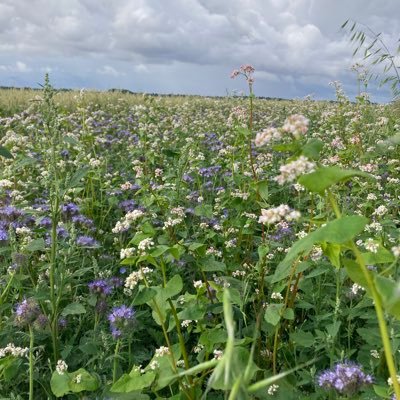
(127,91)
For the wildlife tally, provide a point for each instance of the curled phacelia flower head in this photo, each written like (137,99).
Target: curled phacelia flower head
(345,378)
(121,319)
(26,312)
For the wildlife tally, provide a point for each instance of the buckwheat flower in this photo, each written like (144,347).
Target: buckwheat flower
(78,378)
(380,211)
(276,296)
(186,323)
(61,367)
(356,288)
(218,354)
(371,245)
(291,171)
(14,351)
(396,251)
(296,124)
(272,389)
(154,365)
(145,244)
(126,253)
(162,351)
(345,378)
(26,312)
(197,284)
(197,349)
(375,353)
(390,381)
(266,136)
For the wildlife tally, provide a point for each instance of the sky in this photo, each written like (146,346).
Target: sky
(189,46)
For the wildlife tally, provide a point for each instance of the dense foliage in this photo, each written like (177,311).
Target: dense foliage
(233,248)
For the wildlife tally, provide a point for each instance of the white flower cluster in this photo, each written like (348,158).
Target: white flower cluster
(356,288)
(172,222)
(13,350)
(371,245)
(289,172)
(277,214)
(296,124)
(272,389)
(267,135)
(126,253)
(380,211)
(145,244)
(125,223)
(396,251)
(136,276)
(61,367)
(162,351)
(5,183)
(276,296)
(218,354)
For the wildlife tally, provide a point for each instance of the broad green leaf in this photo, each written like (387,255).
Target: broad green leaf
(36,245)
(5,153)
(382,256)
(355,273)
(204,210)
(301,338)
(72,309)
(262,188)
(332,251)
(390,294)
(324,177)
(273,313)
(338,231)
(213,266)
(77,176)
(159,250)
(135,380)
(312,148)
(288,314)
(59,384)
(81,380)
(173,287)
(143,296)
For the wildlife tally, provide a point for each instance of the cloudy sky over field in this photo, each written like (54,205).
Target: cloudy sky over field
(188,46)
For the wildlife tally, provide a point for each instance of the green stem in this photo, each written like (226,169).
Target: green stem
(378,307)
(381,321)
(31,336)
(115,362)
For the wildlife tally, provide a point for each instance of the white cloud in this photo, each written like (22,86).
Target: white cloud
(287,40)
(108,70)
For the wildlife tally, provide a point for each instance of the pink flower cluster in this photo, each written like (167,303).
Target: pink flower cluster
(246,70)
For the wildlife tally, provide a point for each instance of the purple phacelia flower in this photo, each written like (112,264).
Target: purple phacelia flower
(101,287)
(3,235)
(70,209)
(345,378)
(120,318)
(26,312)
(87,241)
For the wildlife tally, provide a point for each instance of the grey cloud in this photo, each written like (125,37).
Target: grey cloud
(296,41)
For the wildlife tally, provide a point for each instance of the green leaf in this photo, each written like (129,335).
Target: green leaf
(73,309)
(382,256)
(338,231)
(36,245)
(273,314)
(262,187)
(143,296)
(262,251)
(59,384)
(213,266)
(77,176)
(355,273)
(159,250)
(5,153)
(81,380)
(312,148)
(390,294)
(332,251)
(303,339)
(133,381)
(324,177)
(204,210)
(288,314)
(173,287)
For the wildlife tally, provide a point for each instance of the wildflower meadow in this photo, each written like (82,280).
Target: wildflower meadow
(190,248)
